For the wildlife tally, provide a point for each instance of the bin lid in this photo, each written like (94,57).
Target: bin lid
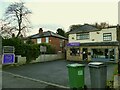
(75,65)
(96,64)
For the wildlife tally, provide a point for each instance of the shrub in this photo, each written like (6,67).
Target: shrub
(32,52)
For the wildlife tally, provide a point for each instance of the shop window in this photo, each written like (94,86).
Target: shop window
(103,53)
(107,36)
(82,36)
(98,53)
(74,51)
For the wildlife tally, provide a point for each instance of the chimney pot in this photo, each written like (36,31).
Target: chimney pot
(40,30)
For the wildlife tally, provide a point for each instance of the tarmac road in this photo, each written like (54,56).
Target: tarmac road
(54,72)
(11,81)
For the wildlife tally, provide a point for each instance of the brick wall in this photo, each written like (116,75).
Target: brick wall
(43,40)
(34,40)
(55,42)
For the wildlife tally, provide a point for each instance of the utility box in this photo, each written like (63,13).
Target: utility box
(76,75)
(98,74)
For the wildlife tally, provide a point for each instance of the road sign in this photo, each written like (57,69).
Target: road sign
(8,58)
(43,48)
(8,49)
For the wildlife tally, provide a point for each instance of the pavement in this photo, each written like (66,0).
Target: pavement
(41,75)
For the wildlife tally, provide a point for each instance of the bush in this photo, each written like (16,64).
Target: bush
(32,52)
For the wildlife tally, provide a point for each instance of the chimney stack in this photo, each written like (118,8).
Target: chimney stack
(118,27)
(40,30)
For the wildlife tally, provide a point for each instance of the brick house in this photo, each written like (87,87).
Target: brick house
(88,43)
(57,41)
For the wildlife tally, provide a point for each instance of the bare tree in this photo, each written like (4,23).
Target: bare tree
(16,18)
(102,25)
(5,29)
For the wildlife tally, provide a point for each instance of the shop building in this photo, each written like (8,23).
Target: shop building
(88,43)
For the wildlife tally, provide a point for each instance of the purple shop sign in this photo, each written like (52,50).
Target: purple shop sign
(8,58)
(73,44)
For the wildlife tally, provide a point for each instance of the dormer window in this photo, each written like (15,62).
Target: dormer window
(82,36)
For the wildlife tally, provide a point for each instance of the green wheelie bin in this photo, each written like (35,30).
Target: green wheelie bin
(76,75)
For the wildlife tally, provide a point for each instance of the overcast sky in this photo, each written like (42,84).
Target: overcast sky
(53,14)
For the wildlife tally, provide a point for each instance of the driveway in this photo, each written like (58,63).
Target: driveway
(54,72)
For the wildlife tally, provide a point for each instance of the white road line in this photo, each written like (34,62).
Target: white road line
(41,81)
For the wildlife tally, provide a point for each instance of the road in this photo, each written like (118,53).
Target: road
(41,75)
(11,81)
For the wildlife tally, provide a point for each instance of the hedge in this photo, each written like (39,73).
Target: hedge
(30,51)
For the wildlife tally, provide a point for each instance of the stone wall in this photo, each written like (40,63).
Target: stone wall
(48,57)
(21,60)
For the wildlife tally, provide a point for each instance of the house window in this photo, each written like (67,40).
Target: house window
(38,40)
(47,39)
(82,36)
(74,51)
(61,43)
(107,36)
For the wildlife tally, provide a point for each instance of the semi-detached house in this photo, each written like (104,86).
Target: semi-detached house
(57,41)
(88,43)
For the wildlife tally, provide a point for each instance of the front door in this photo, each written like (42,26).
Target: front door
(85,55)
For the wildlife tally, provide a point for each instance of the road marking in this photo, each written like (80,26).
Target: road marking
(41,81)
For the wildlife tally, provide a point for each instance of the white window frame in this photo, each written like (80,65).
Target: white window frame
(38,40)
(107,36)
(47,39)
(82,36)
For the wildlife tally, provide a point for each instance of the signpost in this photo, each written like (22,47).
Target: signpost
(43,49)
(0,62)
(8,49)
(8,55)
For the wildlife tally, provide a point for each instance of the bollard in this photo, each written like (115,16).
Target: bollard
(98,75)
